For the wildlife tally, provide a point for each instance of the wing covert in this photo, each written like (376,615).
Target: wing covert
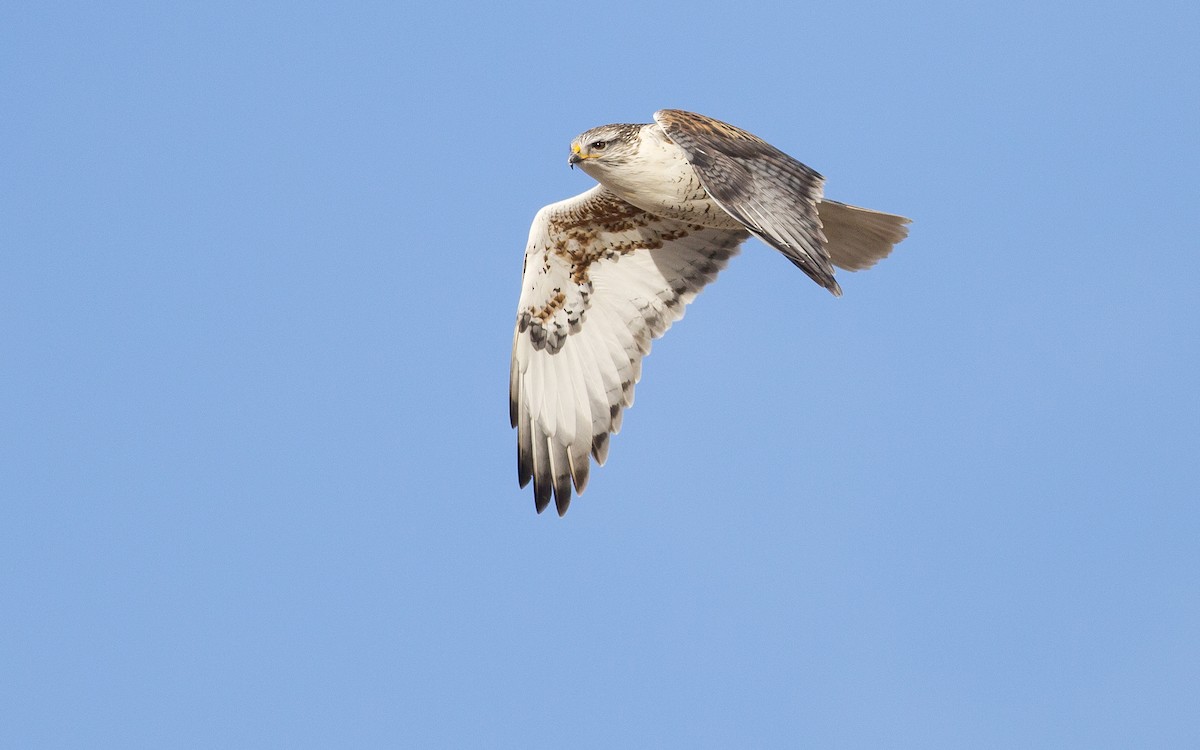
(769,192)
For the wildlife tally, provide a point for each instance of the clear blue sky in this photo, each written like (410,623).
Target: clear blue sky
(258,280)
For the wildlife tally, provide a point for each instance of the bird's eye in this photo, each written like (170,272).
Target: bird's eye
(598,145)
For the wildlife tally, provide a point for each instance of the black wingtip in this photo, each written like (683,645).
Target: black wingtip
(562,493)
(524,468)
(541,493)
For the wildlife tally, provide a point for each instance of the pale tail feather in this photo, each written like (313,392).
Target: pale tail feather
(857,238)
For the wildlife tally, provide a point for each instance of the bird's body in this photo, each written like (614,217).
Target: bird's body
(612,268)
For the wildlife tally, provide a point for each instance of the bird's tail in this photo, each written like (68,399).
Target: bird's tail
(858,238)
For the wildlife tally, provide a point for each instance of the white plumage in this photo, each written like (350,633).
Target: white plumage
(611,269)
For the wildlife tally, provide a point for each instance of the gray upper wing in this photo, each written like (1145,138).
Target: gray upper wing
(769,192)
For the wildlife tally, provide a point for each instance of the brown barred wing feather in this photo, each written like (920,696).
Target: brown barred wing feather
(602,279)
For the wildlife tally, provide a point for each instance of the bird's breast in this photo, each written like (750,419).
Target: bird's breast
(662,181)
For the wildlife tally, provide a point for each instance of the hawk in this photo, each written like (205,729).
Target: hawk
(612,268)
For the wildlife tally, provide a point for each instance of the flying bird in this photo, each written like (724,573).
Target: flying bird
(612,268)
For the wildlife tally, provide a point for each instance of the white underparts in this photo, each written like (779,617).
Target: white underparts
(659,179)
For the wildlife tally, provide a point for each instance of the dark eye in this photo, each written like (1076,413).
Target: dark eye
(598,145)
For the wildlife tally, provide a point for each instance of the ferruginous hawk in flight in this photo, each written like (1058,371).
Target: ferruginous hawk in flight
(612,268)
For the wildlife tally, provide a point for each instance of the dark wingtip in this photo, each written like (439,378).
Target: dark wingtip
(524,468)
(600,446)
(579,475)
(541,494)
(562,493)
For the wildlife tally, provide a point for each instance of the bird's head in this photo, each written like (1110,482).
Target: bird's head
(605,147)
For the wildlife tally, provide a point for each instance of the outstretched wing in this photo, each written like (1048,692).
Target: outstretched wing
(771,193)
(602,278)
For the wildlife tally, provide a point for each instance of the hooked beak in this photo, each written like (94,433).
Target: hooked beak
(576,155)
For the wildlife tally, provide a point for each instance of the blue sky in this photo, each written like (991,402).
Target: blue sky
(260,269)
